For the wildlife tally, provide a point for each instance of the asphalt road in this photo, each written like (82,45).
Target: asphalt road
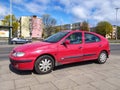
(5,50)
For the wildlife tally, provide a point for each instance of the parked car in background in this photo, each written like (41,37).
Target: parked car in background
(20,41)
(61,48)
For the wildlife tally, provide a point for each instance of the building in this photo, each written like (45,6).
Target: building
(114,31)
(36,27)
(31,27)
(73,26)
(24,26)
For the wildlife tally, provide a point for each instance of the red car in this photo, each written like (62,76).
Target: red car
(61,48)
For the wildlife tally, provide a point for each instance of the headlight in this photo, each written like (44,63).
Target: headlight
(18,54)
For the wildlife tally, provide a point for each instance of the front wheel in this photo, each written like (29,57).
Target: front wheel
(102,57)
(44,64)
(13,42)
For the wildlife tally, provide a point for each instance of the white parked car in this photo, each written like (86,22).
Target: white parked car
(20,41)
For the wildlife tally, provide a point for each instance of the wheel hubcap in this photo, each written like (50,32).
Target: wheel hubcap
(103,57)
(45,65)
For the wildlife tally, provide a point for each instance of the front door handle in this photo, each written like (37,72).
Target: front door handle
(100,45)
(80,47)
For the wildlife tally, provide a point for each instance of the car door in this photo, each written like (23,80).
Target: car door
(71,52)
(91,46)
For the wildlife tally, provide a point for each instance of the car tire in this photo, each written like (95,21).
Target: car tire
(102,57)
(44,64)
(13,42)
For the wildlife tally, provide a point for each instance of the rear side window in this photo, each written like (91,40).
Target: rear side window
(90,38)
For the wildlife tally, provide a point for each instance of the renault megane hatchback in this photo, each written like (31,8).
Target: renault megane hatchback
(61,48)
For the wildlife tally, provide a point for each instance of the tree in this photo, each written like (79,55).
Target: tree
(104,28)
(48,22)
(84,26)
(57,29)
(118,32)
(15,23)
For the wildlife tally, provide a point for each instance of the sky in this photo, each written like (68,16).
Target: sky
(65,11)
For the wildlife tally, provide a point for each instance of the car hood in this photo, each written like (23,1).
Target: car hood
(31,46)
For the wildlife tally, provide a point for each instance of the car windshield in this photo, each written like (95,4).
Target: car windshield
(56,37)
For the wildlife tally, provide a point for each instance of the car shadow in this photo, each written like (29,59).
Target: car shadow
(74,64)
(19,72)
(28,72)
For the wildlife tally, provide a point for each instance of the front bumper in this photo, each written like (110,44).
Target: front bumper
(22,64)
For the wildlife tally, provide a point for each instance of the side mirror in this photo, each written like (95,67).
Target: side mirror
(66,42)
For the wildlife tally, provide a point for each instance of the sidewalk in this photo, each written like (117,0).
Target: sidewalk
(81,76)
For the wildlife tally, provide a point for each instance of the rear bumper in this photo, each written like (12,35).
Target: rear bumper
(22,64)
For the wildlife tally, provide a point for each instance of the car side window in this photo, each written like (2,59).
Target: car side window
(90,38)
(75,38)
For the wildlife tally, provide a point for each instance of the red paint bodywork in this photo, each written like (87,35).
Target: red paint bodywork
(60,53)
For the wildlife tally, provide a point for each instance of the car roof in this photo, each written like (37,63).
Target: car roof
(74,31)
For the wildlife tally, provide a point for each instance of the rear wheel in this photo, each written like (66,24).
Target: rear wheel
(102,57)
(44,64)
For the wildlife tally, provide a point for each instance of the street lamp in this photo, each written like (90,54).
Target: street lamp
(10,27)
(116,21)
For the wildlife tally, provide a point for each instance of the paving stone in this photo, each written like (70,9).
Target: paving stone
(43,86)
(4,62)
(103,85)
(25,82)
(7,85)
(85,87)
(108,73)
(59,74)
(103,67)
(4,69)
(75,72)
(116,65)
(45,78)
(81,79)
(67,89)
(24,88)
(9,76)
(86,69)
(95,76)
(114,81)
(64,83)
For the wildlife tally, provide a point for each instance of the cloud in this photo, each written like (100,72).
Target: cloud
(91,10)
(79,12)
(58,8)
(17,1)
(97,10)
(45,2)
(35,8)
(3,11)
